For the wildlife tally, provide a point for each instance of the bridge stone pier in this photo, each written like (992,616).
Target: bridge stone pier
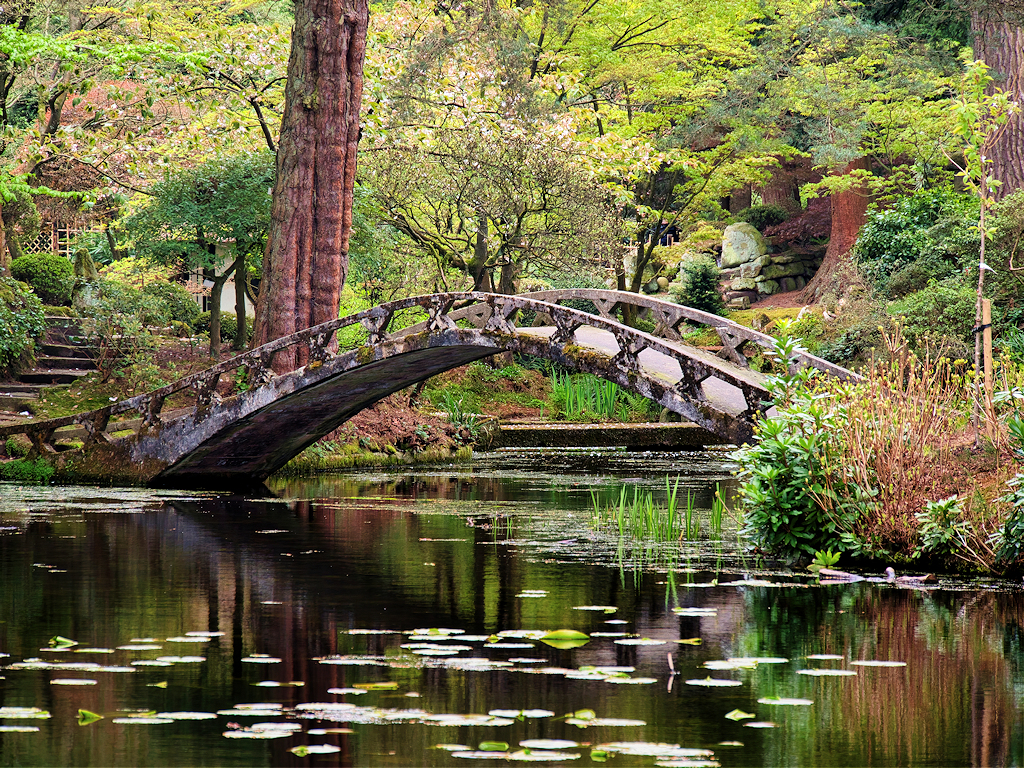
(241,440)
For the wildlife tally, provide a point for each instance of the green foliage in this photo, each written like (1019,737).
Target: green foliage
(943,530)
(794,496)
(467,425)
(16,448)
(1008,540)
(929,234)
(117,317)
(26,471)
(21,323)
(228,324)
(824,559)
(582,397)
(49,275)
(942,314)
(181,306)
(761,217)
(697,285)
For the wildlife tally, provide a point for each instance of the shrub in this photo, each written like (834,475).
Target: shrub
(941,314)
(50,276)
(228,325)
(26,471)
(117,316)
(760,217)
(181,307)
(936,227)
(21,322)
(697,285)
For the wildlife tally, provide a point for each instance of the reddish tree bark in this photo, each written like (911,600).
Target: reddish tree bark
(306,259)
(1000,44)
(849,212)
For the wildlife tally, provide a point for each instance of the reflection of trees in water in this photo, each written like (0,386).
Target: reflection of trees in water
(962,651)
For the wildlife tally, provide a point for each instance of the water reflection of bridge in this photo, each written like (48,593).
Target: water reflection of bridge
(247,437)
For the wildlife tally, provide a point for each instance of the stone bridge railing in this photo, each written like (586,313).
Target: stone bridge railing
(487,312)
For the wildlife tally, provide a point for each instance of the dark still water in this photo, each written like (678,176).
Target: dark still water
(395,620)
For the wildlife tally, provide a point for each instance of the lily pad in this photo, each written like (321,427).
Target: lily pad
(695,611)
(85,717)
(598,608)
(141,721)
(72,681)
(314,749)
(521,713)
(19,728)
(640,641)
(386,685)
(261,658)
(565,638)
(739,714)
(188,715)
(715,682)
(827,672)
(607,721)
(650,749)
(759,659)
(877,663)
(780,701)
(548,744)
(140,647)
(759,724)
(730,664)
(826,657)
(61,643)
(23,713)
(342,691)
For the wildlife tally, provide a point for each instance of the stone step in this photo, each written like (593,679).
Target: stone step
(53,376)
(64,363)
(67,350)
(18,388)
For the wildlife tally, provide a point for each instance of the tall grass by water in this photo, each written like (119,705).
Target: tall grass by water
(585,395)
(634,514)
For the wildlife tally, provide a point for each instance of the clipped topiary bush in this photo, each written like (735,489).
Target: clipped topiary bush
(697,285)
(51,277)
(21,323)
(179,302)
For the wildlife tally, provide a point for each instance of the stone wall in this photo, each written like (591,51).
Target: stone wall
(749,271)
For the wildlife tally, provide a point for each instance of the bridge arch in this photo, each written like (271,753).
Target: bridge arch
(249,436)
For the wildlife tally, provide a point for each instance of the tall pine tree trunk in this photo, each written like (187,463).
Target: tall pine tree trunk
(306,258)
(1000,44)
(849,212)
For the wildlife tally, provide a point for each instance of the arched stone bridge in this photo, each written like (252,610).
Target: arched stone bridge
(246,437)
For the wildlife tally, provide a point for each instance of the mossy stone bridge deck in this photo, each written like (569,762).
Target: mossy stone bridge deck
(242,439)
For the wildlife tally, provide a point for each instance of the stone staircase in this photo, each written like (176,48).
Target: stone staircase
(64,357)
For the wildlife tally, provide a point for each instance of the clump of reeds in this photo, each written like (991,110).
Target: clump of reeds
(584,396)
(636,515)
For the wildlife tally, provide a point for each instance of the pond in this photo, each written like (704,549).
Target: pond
(397,619)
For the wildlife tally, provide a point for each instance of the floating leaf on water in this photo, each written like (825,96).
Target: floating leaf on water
(615,621)
(730,664)
(314,749)
(141,721)
(759,724)
(519,660)
(601,608)
(140,647)
(181,659)
(328,731)
(877,663)
(565,638)
(161,684)
(187,639)
(381,686)
(353,661)
(203,633)
(85,717)
(261,658)
(435,652)
(739,714)
(23,713)
(540,756)
(249,712)
(715,682)
(639,641)
(690,641)
(449,747)
(826,657)
(444,719)
(730,744)
(143,640)
(250,707)
(785,702)
(524,634)
(151,663)
(521,713)
(608,721)
(607,634)
(271,602)
(373,632)
(686,762)
(19,728)
(61,643)
(93,650)
(827,672)
(511,646)
(437,631)
(626,680)
(695,611)
(341,691)
(759,659)
(533,593)
(493,746)
(651,749)
(188,715)
(72,681)
(245,733)
(548,744)
(276,684)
